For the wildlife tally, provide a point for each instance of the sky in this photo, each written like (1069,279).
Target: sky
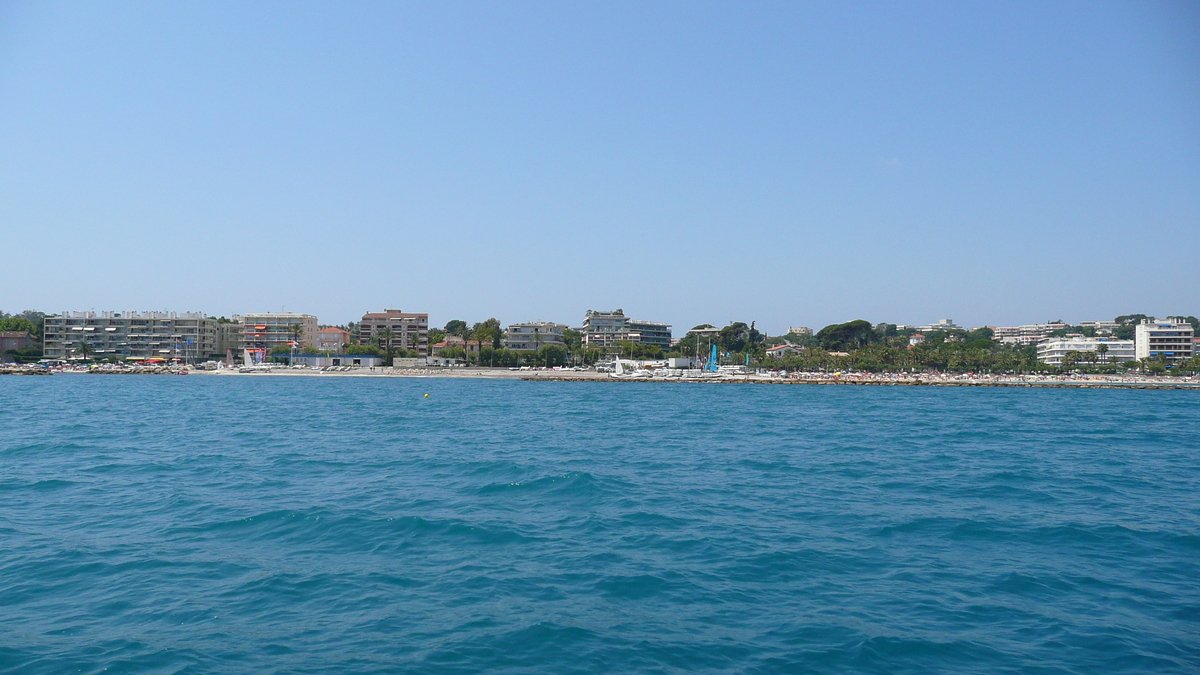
(793,164)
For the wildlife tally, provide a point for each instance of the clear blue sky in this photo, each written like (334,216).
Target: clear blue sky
(789,163)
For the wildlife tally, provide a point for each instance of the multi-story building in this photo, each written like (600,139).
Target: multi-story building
(408,330)
(1170,340)
(229,336)
(649,332)
(130,335)
(332,339)
(603,329)
(14,339)
(1052,350)
(278,329)
(800,331)
(534,335)
(1101,327)
(941,325)
(1029,334)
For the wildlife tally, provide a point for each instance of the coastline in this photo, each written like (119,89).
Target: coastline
(694,377)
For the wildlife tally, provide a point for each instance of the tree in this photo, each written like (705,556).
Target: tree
(1102,351)
(363,350)
(488,331)
(1127,327)
(383,338)
(84,349)
(456,327)
(734,337)
(16,323)
(846,336)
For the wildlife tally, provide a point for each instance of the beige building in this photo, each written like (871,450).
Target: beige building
(130,335)
(408,330)
(332,339)
(229,336)
(278,329)
(534,335)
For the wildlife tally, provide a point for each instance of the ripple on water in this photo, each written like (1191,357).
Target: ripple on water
(305,525)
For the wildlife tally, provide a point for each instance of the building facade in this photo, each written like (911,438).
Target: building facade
(189,336)
(408,330)
(327,360)
(604,329)
(1052,351)
(14,339)
(1170,340)
(533,335)
(278,329)
(229,336)
(1029,334)
(781,351)
(453,341)
(941,325)
(332,339)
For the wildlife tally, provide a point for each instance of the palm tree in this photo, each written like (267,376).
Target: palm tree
(84,349)
(1102,350)
(297,330)
(384,338)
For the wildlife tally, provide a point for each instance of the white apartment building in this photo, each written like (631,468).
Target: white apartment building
(800,331)
(1052,350)
(1029,334)
(534,335)
(130,335)
(603,329)
(409,330)
(941,325)
(1101,327)
(1170,340)
(278,329)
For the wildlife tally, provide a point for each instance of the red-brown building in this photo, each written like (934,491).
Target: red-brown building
(408,330)
(14,339)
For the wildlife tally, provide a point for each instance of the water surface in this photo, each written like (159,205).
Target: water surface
(307,525)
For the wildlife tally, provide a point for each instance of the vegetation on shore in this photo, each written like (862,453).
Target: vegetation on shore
(853,345)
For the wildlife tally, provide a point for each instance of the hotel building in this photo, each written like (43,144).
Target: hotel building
(1052,350)
(409,330)
(533,335)
(130,335)
(1170,340)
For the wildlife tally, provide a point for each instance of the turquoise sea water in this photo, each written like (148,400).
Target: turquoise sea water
(308,525)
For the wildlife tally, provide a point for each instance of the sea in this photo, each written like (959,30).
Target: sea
(266,524)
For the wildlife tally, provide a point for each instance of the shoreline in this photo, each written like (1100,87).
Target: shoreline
(835,379)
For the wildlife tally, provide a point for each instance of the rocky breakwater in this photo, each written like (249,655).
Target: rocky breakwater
(121,369)
(22,369)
